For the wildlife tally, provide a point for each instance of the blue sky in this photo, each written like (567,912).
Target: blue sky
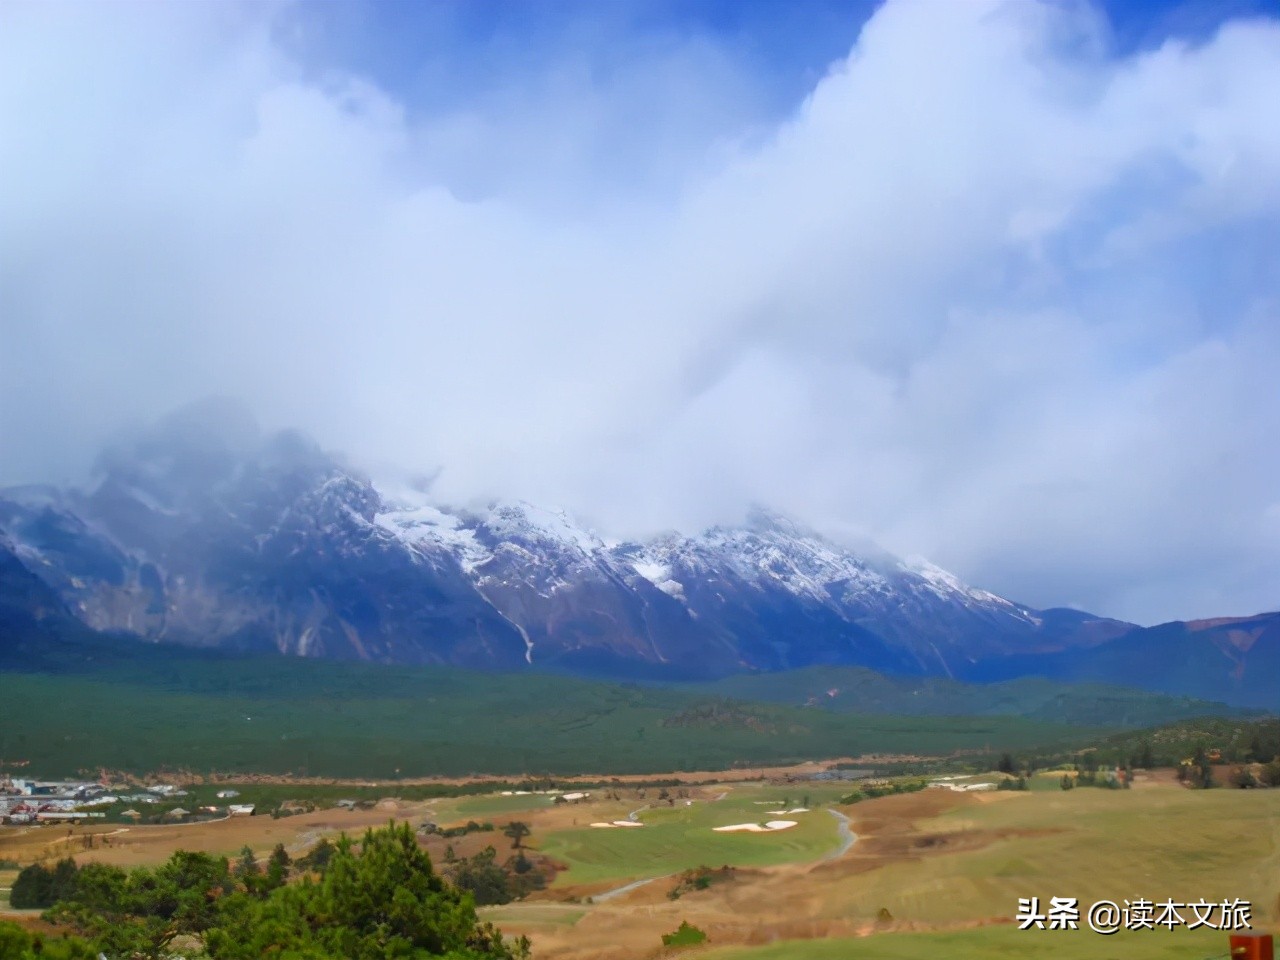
(487,42)
(988,281)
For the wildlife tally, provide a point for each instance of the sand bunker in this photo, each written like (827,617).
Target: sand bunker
(783,813)
(757,828)
(619,823)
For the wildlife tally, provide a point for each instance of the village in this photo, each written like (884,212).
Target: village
(26,801)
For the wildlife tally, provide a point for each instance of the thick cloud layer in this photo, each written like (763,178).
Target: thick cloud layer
(991,293)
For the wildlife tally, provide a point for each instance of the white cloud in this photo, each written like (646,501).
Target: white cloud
(991,294)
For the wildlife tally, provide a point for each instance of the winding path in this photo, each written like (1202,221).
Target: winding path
(634,885)
(847,837)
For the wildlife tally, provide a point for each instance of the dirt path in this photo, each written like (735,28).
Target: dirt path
(625,889)
(847,837)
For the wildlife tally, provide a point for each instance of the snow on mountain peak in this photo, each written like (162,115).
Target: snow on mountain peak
(414,519)
(944,582)
(518,518)
(768,550)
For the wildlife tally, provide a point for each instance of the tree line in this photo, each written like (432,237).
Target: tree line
(377,899)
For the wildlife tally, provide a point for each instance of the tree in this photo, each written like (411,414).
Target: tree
(517,830)
(483,878)
(382,900)
(1006,764)
(319,856)
(18,944)
(1145,760)
(247,865)
(38,887)
(521,864)
(277,868)
(32,888)
(141,913)
(1067,782)
(1205,776)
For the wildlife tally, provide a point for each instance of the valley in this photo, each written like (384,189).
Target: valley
(928,871)
(641,480)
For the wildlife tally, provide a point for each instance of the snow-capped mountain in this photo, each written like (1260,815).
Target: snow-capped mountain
(203,532)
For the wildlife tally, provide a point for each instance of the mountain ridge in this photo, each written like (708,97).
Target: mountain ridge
(206,531)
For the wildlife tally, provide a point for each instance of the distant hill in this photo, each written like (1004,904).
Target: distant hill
(1232,659)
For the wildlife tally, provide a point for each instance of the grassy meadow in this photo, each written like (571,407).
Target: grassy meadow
(676,838)
(933,874)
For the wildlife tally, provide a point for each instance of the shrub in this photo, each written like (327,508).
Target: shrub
(38,887)
(686,935)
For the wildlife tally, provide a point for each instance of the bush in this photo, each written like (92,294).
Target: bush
(700,878)
(1243,779)
(18,944)
(37,887)
(871,792)
(483,878)
(686,935)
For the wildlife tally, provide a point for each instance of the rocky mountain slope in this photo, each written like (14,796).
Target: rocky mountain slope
(204,532)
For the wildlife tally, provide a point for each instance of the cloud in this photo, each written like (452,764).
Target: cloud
(992,292)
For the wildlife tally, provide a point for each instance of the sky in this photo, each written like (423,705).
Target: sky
(994,283)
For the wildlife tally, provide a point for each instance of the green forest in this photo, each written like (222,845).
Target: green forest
(444,722)
(375,899)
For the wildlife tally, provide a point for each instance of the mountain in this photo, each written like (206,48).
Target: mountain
(1235,659)
(31,613)
(203,531)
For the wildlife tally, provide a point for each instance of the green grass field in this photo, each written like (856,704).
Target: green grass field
(537,912)
(681,838)
(493,806)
